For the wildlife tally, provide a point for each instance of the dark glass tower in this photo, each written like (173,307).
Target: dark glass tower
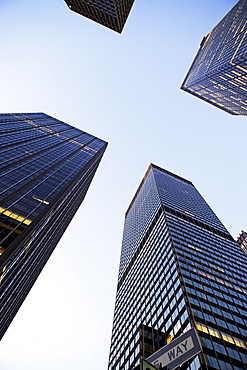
(46,169)
(179,268)
(110,13)
(218,73)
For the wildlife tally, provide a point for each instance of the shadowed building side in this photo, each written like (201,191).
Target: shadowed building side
(110,13)
(46,169)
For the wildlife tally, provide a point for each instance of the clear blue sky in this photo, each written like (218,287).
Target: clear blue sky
(124,89)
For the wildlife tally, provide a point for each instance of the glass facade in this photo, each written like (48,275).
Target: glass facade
(242,240)
(218,73)
(110,13)
(46,169)
(179,268)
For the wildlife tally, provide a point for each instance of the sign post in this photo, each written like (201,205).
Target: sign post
(177,352)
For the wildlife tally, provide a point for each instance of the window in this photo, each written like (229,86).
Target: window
(213,362)
(225,365)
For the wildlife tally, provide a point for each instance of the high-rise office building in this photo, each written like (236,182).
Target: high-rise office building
(179,268)
(110,13)
(242,240)
(218,73)
(46,169)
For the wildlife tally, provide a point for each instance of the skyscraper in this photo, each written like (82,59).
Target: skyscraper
(218,73)
(46,169)
(242,241)
(110,13)
(179,268)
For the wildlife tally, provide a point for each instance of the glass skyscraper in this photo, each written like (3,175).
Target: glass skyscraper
(46,169)
(218,73)
(110,13)
(179,268)
(242,241)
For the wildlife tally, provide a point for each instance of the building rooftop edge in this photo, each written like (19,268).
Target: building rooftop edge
(57,119)
(144,178)
(241,233)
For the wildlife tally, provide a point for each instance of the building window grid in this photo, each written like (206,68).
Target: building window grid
(145,285)
(45,186)
(223,50)
(205,242)
(159,308)
(168,298)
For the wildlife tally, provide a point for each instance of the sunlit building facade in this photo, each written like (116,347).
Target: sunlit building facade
(218,74)
(179,268)
(242,241)
(46,169)
(110,13)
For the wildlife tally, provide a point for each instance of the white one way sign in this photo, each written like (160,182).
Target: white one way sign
(178,351)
